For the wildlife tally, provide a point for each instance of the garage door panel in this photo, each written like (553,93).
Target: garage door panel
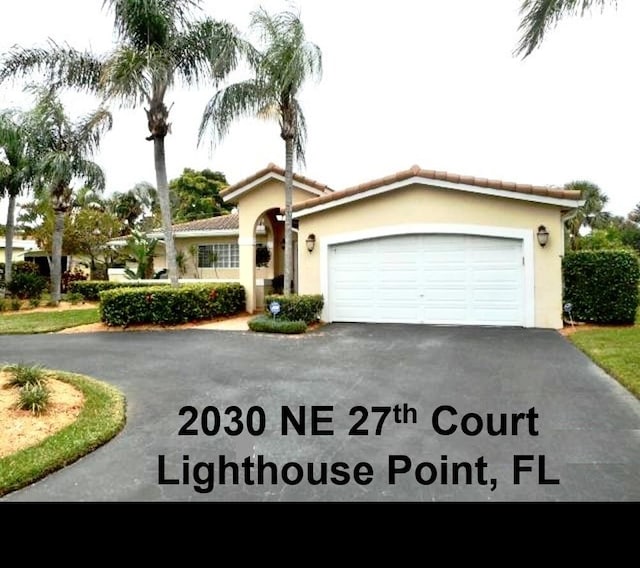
(498,277)
(444,257)
(441,279)
(505,296)
(434,276)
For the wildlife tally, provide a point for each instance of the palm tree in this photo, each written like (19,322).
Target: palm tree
(133,205)
(60,150)
(591,214)
(14,175)
(280,69)
(157,44)
(539,16)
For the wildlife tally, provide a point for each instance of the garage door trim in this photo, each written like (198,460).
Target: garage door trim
(526,236)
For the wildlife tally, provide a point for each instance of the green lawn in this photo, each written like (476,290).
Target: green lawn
(101,418)
(46,322)
(616,350)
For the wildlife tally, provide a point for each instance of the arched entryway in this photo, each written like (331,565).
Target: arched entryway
(258,275)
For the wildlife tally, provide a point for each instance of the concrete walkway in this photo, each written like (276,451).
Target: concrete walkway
(240,323)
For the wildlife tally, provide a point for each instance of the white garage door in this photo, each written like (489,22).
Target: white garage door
(438,279)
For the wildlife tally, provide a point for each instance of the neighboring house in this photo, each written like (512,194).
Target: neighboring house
(20,248)
(419,246)
(27,250)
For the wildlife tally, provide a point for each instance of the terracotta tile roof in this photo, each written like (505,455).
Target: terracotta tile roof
(272,168)
(222,223)
(416,171)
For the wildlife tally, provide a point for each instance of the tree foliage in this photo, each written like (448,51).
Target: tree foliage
(60,151)
(540,16)
(282,63)
(591,215)
(158,43)
(196,195)
(15,174)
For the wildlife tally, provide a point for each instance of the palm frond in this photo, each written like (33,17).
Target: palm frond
(147,23)
(207,48)
(56,167)
(59,65)
(125,77)
(90,172)
(12,137)
(235,101)
(90,130)
(301,134)
(539,16)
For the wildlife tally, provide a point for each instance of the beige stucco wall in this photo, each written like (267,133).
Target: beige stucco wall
(17,254)
(420,205)
(183,245)
(252,205)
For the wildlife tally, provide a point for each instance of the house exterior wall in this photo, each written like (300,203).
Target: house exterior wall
(252,206)
(192,272)
(418,205)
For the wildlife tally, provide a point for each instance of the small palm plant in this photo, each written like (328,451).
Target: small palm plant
(22,374)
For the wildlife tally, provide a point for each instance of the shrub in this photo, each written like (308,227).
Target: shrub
(15,304)
(22,374)
(70,276)
(34,397)
(22,267)
(3,304)
(91,289)
(34,302)
(602,285)
(297,308)
(170,306)
(74,298)
(27,285)
(266,324)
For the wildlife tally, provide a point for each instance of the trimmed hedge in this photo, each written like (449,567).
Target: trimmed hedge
(90,289)
(170,306)
(306,308)
(266,324)
(602,285)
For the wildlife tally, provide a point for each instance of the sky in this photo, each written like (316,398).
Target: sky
(427,82)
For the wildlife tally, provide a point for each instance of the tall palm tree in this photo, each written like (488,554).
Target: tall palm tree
(60,151)
(539,16)
(158,43)
(14,175)
(590,215)
(281,65)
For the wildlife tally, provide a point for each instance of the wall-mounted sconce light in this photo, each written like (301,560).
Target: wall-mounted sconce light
(311,242)
(543,235)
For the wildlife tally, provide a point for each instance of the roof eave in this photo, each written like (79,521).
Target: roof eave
(311,209)
(191,234)
(232,196)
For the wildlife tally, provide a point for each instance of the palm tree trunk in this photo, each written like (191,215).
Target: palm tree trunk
(10,229)
(165,208)
(288,220)
(56,254)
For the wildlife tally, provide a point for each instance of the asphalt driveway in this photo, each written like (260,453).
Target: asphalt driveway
(569,432)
